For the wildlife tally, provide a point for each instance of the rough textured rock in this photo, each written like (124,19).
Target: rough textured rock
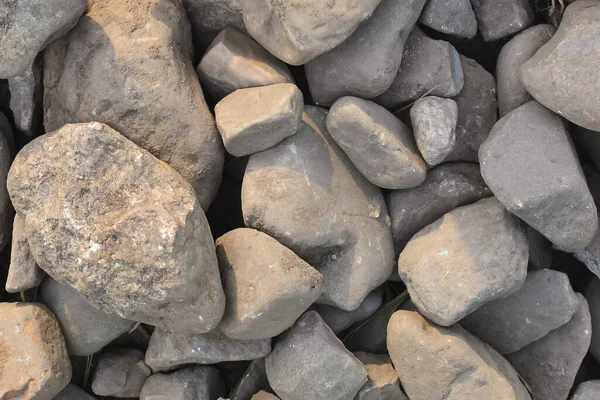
(252,381)
(382,383)
(33,355)
(148,91)
(564,67)
(540,250)
(310,362)
(436,363)
(434,123)
(307,194)
(23,273)
(296,31)
(193,383)
(511,92)
(378,144)
(26,97)
(549,365)
(365,64)
(592,294)
(545,302)
(72,392)
(120,373)
(589,390)
(590,254)
(255,119)
(454,18)
(209,17)
(119,226)
(501,18)
(472,255)
(530,164)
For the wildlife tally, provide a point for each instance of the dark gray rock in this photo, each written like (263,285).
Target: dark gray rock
(589,390)
(72,392)
(209,17)
(590,254)
(501,18)
(6,210)
(120,373)
(252,381)
(371,337)
(26,97)
(592,294)
(540,250)
(588,141)
(23,273)
(382,383)
(454,18)
(193,383)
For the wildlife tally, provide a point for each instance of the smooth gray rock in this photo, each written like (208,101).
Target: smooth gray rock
(252,381)
(209,17)
(511,92)
(366,63)
(592,294)
(26,97)
(540,250)
(455,17)
(382,383)
(501,18)
(530,164)
(545,302)
(23,273)
(192,383)
(119,226)
(472,255)
(310,362)
(378,144)
(589,390)
(72,392)
(120,373)
(434,123)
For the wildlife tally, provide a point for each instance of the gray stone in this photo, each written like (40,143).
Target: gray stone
(378,144)
(128,64)
(434,123)
(72,392)
(561,71)
(545,302)
(382,383)
(472,255)
(306,193)
(310,362)
(262,395)
(120,373)
(297,31)
(455,17)
(530,164)
(255,119)
(589,390)
(501,18)
(27,26)
(209,17)
(371,337)
(86,329)
(26,97)
(540,250)
(592,294)
(511,92)
(23,273)
(365,64)
(549,365)
(436,363)
(169,350)
(119,226)
(590,254)
(252,381)
(193,383)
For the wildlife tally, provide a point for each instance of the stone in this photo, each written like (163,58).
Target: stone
(428,67)
(564,67)
(380,145)
(140,82)
(472,255)
(209,17)
(72,392)
(382,383)
(366,63)
(589,390)
(549,365)
(169,350)
(86,329)
(235,61)
(23,273)
(26,98)
(501,18)
(511,92)
(446,187)
(371,337)
(592,294)
(436,363)
(192,383)
(33,355)
(530,164)
(310,362)
(297,31)
(540,250)
(255,119)
(434,124)
(252,381)
(28,26)
(545,302)
(262,395)
(120,373)
(305,193)
(455,18)
(121,227)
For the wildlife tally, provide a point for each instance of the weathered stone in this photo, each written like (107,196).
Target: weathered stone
(23,273)
(589,390)
(193,383)
(511,92)
(545,302)
(72,392)
(366,63)
(378,144)
(252,381)
(297,31)
(454,18)
(549,365)
(33,355)
(310,362)
(262,395)
(472,255)
(209,17)
(592,294)
(382,383)
(501,18)
(255,119)
(436,363)
(119,226)
(306,193)
(530,164)
(141,82)
(540,250)
(120,373)
(26,97)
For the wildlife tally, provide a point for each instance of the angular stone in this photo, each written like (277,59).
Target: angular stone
(472,255)
(252,381)
(209,17)
(540,250)
(511,92)
(310,362)
(23,273)
(589,390)
(530,164)
(72,392)
(382,383)
(297,31)
(434,123)
(545,302)
(33,355)
(306,193)
(378,144)
(120,373)
(119,226)
(26,97)
(262,395)
(592,294)
(448,363)
(454,18)
(192,383)
(255,119)
(141,82)
(367,62)
(501,18)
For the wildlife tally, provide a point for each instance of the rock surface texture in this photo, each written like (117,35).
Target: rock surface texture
(192,383)
(501,18)
(120,373)
(454,18)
